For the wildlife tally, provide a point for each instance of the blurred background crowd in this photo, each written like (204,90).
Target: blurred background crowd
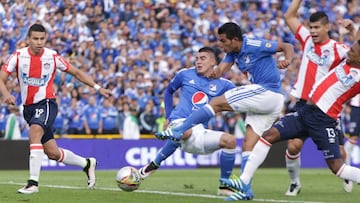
(135,47)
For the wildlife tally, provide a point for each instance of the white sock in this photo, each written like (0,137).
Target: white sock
(35,159)
(349,147)
(256,158)
(69,158)
(349,173)
(293,164)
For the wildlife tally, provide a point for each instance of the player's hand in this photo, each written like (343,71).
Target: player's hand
(348,25)
(9,99)
(283,63)
(105,92)
(215,73)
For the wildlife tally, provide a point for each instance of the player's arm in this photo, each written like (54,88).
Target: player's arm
(222,68)
(8,98)
(88,80)
(288,50)
(291,17)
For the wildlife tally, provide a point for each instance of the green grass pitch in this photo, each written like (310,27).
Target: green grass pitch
(173,186)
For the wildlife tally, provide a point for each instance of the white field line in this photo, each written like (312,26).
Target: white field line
(161,192)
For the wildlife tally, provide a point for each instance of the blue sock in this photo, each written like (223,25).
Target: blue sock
(226,164)
(167,150)
(200,116)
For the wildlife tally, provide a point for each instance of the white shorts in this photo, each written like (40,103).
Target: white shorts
(262,106)
(201,141)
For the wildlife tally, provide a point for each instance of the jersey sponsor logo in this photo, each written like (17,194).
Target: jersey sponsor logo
(253,42)
(346,80)
(199,99)
(319,60)
(35,81)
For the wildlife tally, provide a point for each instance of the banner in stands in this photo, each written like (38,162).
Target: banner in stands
(114,154)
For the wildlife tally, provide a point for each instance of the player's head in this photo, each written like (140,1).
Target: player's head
(230,37)
(205,60)
(319,27)
(353,55)
(36,38)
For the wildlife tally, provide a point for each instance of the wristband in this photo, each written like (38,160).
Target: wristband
(97,87)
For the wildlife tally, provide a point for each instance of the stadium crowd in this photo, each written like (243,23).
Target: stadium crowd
(135,47)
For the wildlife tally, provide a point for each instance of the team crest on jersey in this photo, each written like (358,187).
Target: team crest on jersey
(34,81)
(212,87)
(46,66)
(268,45)
(199,99)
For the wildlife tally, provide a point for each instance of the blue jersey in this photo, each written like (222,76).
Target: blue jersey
(196,91)
(256,58)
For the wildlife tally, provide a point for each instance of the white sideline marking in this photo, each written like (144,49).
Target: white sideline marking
(160,192)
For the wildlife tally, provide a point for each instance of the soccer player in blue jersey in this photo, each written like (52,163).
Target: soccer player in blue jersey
(261,100)
(196,91)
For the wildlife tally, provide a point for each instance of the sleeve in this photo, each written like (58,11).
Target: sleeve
(174,84)
(61,63)
(11,64)
(302,34)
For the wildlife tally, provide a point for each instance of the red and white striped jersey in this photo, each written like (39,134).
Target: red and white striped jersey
(317,61)
(355,101)
(336,88)
(35,73)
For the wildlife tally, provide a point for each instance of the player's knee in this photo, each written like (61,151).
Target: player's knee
(52,154)
(294,146)
(334,165)
(228,141)
(272,135)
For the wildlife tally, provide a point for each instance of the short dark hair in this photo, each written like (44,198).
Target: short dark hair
(319,16)
(36,28)
(211,51)
(231,30)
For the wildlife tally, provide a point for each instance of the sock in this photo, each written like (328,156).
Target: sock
(227,159)
(349,147)
(35,159)
(200,116)
(293,163)
(349,173)
(69,158)
(257,157)
(167,150)
(244,158)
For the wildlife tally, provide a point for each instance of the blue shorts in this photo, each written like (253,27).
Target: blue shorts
(300,104)
(314,123)
(355,121)
(42,113)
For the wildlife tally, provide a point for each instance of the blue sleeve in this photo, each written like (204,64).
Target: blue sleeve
(229,58)
(268,46)
(174,84)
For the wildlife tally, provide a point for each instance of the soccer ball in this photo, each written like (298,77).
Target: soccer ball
(128,178)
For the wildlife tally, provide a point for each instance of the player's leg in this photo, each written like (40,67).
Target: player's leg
(288,127)
(203,141)
(167,150)
(354,132)
(202,115)
(347,185)
(36,155)
(293,163)
(67,157)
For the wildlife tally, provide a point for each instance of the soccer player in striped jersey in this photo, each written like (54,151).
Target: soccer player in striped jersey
(35,67)
(262,100)
(317,119)
(320,54)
